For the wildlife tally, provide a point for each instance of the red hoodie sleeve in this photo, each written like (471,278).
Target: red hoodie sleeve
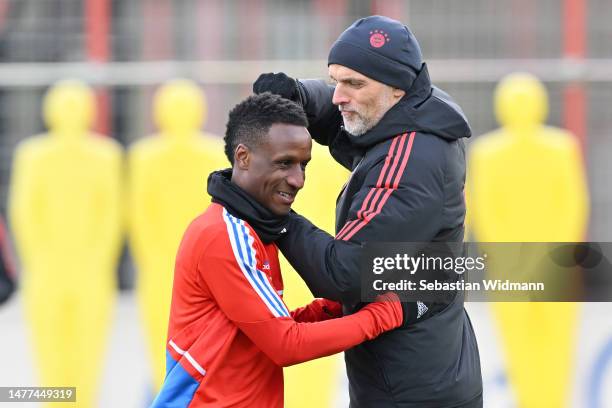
(287,342)
(247,297)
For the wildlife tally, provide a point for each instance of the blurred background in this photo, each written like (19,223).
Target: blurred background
(125,49)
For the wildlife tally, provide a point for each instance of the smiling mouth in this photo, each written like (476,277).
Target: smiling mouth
(287,197)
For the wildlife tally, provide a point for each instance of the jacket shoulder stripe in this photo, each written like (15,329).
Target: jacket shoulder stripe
(369,204)
(244,253)
(396,160)
(346,227)
(367,200)
(374,209)
(259,275)
(379,191)
(255,277)
(387,161)
(392,155)
(398,176)
(245,257)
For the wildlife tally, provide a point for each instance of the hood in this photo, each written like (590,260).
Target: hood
(424,108)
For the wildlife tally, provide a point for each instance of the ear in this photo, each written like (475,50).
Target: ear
(242,157)
(398,93)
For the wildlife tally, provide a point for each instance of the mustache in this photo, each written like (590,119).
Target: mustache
(344,108)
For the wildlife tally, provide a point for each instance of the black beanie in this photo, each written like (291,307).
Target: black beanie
(380,48)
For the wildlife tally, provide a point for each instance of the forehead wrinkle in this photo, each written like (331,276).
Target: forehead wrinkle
(346,73)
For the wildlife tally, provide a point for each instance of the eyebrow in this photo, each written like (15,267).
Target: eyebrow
(286,156)
(348,79)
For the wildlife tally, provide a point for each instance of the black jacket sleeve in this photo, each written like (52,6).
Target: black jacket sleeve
(408,208)
(324,118)
(328,267)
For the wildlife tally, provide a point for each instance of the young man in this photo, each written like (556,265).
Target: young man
(402,138)
(230,332)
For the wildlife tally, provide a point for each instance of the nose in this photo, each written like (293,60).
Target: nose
(296,177)
(340,96)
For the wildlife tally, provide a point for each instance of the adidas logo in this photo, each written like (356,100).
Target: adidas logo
(421,309)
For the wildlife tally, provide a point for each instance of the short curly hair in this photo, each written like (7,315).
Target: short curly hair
(250,120)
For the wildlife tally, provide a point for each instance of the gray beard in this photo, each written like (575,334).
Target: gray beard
(357,128)
(360,126)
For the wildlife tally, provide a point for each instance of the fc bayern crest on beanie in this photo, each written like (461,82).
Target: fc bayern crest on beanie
(380,48)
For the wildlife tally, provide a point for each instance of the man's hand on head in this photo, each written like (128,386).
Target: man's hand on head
(279,84)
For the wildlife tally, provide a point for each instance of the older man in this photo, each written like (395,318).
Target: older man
(402,139)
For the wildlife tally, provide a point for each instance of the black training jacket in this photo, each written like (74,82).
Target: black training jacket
(406,185)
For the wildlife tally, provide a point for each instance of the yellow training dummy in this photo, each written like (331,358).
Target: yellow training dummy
(64,209)
(313,384)
(168,174)
(526,183)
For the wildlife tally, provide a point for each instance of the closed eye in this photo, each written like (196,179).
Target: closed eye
(283,163)
(355,83)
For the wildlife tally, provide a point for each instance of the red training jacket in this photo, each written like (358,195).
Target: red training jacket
(230,333)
